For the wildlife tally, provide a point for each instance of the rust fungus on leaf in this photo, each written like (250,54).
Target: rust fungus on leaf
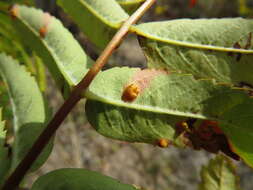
(163,143)
(13,11)
(139,82)
(182,126)
(43,31)
(130,93)
(46,21)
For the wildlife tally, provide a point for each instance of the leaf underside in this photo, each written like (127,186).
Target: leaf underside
(58,49)
(29,110)
(164,100)
(206,48)
(99,20)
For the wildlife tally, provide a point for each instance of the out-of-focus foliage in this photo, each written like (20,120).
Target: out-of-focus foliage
(201,9)
(246,7)
(219,174)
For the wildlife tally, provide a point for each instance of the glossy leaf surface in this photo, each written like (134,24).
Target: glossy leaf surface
(78,179)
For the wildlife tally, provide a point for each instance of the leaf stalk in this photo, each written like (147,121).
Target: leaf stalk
(18,174)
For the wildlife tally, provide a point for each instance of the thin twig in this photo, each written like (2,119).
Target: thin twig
(15,178)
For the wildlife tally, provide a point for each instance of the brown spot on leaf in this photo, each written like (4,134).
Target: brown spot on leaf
(248,87)
(247,46)
(13,10)
(238,46)
(238,55)
(206,135)
(140,81)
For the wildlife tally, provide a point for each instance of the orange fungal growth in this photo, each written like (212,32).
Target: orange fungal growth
(46,21)
(182,126)
(130,93)
(43,31)
(13,11)
(163,143)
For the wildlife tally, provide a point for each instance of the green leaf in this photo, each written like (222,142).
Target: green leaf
(78,179)
(29,110)
(2,131)
(130,5)
(206,48)
(4,157)
(164,100)
(11,44)
(239,129)
(61,53)
(219,174)
(245,7)
(99,20)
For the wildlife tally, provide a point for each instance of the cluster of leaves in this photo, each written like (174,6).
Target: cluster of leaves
(195,93)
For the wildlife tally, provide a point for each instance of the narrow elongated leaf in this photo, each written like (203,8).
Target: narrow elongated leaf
(78,179)
(206,48)
(4,157)
(130,5)
(219,174)
(61,53)
(29,111)
(99,20)
(147,106)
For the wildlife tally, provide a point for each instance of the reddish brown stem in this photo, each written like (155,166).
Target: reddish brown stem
(15,178)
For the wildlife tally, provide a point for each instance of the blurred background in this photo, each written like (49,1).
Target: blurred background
(78,145)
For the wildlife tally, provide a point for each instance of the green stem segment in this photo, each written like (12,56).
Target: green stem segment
(15,178)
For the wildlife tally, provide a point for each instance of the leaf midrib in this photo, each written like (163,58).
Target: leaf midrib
(108,100)
(114,25)
(135,29)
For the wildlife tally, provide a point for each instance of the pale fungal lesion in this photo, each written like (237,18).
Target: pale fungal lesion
(46,21)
